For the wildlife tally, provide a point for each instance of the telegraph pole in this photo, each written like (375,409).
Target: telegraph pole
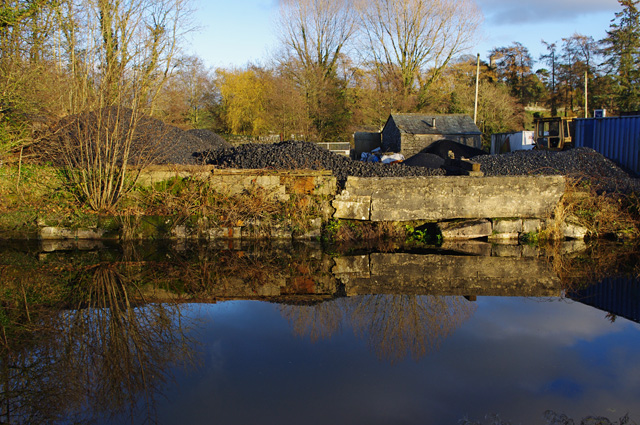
(475,108)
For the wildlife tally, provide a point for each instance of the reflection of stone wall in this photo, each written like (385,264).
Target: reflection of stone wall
(446,275)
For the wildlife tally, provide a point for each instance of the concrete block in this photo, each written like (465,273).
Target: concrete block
(573,246)
(574,231)
(355,265)
(57,233)
(52,245)
(457,197)
(506,229)
(352,207)
(456,275)
(506,250)
(473,247)
(530,251)
(89,233)
(468,229)
(531,225)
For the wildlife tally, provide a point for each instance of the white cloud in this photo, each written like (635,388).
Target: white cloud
(544,11)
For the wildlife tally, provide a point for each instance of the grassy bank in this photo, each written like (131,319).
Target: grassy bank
(35,196)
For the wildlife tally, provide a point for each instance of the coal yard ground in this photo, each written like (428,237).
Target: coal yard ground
(206,147)
(306,155)
(579,163)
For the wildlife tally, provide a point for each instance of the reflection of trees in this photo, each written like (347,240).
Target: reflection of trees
(100,357)
(317,321)
(394,325)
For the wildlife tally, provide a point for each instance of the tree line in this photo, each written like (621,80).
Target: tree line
(342,65)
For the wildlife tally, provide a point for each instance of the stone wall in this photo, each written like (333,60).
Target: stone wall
(281,185)
(391,137)
(463,207)
(447,198)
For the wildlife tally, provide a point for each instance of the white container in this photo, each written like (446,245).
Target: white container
(509,142)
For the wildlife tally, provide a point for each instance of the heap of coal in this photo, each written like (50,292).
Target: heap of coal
(292,155)
(214,140)
(445,148)
(578,163)
(153,142)
(434,155)
(427,160)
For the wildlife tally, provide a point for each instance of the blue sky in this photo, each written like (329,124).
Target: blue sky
(237,32)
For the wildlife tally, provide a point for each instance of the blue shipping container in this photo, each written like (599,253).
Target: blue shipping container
(617,138)
(619,296)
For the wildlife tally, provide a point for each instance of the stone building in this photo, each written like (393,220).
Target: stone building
(408,134)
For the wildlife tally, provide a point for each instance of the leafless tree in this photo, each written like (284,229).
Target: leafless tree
(316,32)
(412,41)
(128,49)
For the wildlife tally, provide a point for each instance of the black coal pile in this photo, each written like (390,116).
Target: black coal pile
(579,163)
(427,160)
(173,145)
(445,148)
(292,155)
(214,140)
(153,141)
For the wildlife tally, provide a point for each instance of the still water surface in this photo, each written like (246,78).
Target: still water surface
(517,357)
(312,341)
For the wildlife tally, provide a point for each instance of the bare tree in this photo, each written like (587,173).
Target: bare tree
(316,32)
(412,41)
(128,49)
(315,35)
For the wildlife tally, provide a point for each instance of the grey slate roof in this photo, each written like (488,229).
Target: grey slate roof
(445,124)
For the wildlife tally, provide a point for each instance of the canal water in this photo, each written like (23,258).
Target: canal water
(289,334)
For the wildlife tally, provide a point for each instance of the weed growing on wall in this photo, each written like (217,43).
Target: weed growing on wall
(602,214)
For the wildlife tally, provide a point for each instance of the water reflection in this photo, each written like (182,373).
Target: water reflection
(394,326)
(97,331)
(98,355)
(617,296)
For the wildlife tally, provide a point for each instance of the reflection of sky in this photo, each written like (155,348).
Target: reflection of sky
(515,357)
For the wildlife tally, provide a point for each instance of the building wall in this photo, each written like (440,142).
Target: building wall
(391,137)
(366,142)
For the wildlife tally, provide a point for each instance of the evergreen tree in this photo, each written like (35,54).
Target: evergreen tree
(621,48)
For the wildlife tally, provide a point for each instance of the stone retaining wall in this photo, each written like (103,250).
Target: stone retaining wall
(447,198)
(494,207)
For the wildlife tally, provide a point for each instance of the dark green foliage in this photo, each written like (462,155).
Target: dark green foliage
(621,48)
